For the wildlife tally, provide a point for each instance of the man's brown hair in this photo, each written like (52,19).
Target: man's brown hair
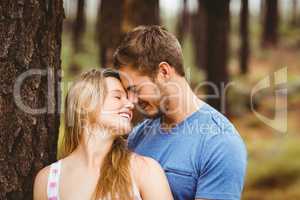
(145,47)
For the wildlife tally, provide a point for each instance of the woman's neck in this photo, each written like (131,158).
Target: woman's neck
(93,148)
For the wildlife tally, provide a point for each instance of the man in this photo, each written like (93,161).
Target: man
(201,152)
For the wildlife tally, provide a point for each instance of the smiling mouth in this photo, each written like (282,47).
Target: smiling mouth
(126,115)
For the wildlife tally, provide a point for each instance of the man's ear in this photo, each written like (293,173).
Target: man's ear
(165,71)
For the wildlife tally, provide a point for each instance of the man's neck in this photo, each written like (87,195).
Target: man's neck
(180,104)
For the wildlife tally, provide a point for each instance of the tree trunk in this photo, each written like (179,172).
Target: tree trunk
(244,32)
(115,18)
(217,49)
(79,26)
(262,11)
(183,23)
(108,29)
(30,38)
(198,35)
(140,12)
(294,16)
(270,26)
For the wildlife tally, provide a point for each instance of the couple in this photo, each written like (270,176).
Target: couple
(184,150)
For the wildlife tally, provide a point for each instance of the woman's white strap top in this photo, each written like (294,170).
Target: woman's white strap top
(53,181)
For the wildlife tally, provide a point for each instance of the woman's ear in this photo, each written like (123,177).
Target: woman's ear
(164,71)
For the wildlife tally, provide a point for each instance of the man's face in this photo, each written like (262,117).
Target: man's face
(142,91)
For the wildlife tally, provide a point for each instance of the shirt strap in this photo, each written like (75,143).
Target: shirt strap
(53,181)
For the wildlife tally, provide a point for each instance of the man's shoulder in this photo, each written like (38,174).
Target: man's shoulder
(220,135)
(210,121)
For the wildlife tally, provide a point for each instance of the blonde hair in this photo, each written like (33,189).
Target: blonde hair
(82,104)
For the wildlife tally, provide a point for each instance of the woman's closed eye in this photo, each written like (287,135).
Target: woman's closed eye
(118,97)
(117,94)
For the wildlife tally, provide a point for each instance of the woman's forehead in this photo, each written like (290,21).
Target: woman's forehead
(113,84)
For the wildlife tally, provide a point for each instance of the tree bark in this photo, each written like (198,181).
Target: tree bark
(116,17)
(217,49)
(244,33)
(270,25)
(79,26)
(30,38)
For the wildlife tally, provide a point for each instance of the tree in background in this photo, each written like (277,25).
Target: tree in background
(217,49)
(270,24)
(115,18)
(295,16)
(262,11)
(183,23)
(140,12)
(79,26)
(108,29)
(78,29)
(244,32)
(198,25)
(30,37)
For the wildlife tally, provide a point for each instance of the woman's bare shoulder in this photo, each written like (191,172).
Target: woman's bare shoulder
(145,168)
(40,184)
(150,178)
(141,163)
(42,175)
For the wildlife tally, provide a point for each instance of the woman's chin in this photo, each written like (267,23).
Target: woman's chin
(125,130)
(122,129)
(119,126)
(125,126)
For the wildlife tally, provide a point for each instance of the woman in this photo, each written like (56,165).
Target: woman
(95,162)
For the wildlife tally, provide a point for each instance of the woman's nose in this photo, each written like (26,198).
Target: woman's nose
(129,104)
(132,97)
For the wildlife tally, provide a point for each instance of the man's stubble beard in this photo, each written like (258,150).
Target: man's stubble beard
(154,116)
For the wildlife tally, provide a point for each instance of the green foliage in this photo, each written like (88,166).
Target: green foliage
(277,164)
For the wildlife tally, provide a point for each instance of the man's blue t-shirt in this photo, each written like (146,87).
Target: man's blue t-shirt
(203,156)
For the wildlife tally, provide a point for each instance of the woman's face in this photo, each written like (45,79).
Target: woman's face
(116,111)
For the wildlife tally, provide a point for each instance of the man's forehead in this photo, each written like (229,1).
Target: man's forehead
(132,77)
(127,79)
(129,72)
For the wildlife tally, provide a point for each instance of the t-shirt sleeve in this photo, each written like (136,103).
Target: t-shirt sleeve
(222,167)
